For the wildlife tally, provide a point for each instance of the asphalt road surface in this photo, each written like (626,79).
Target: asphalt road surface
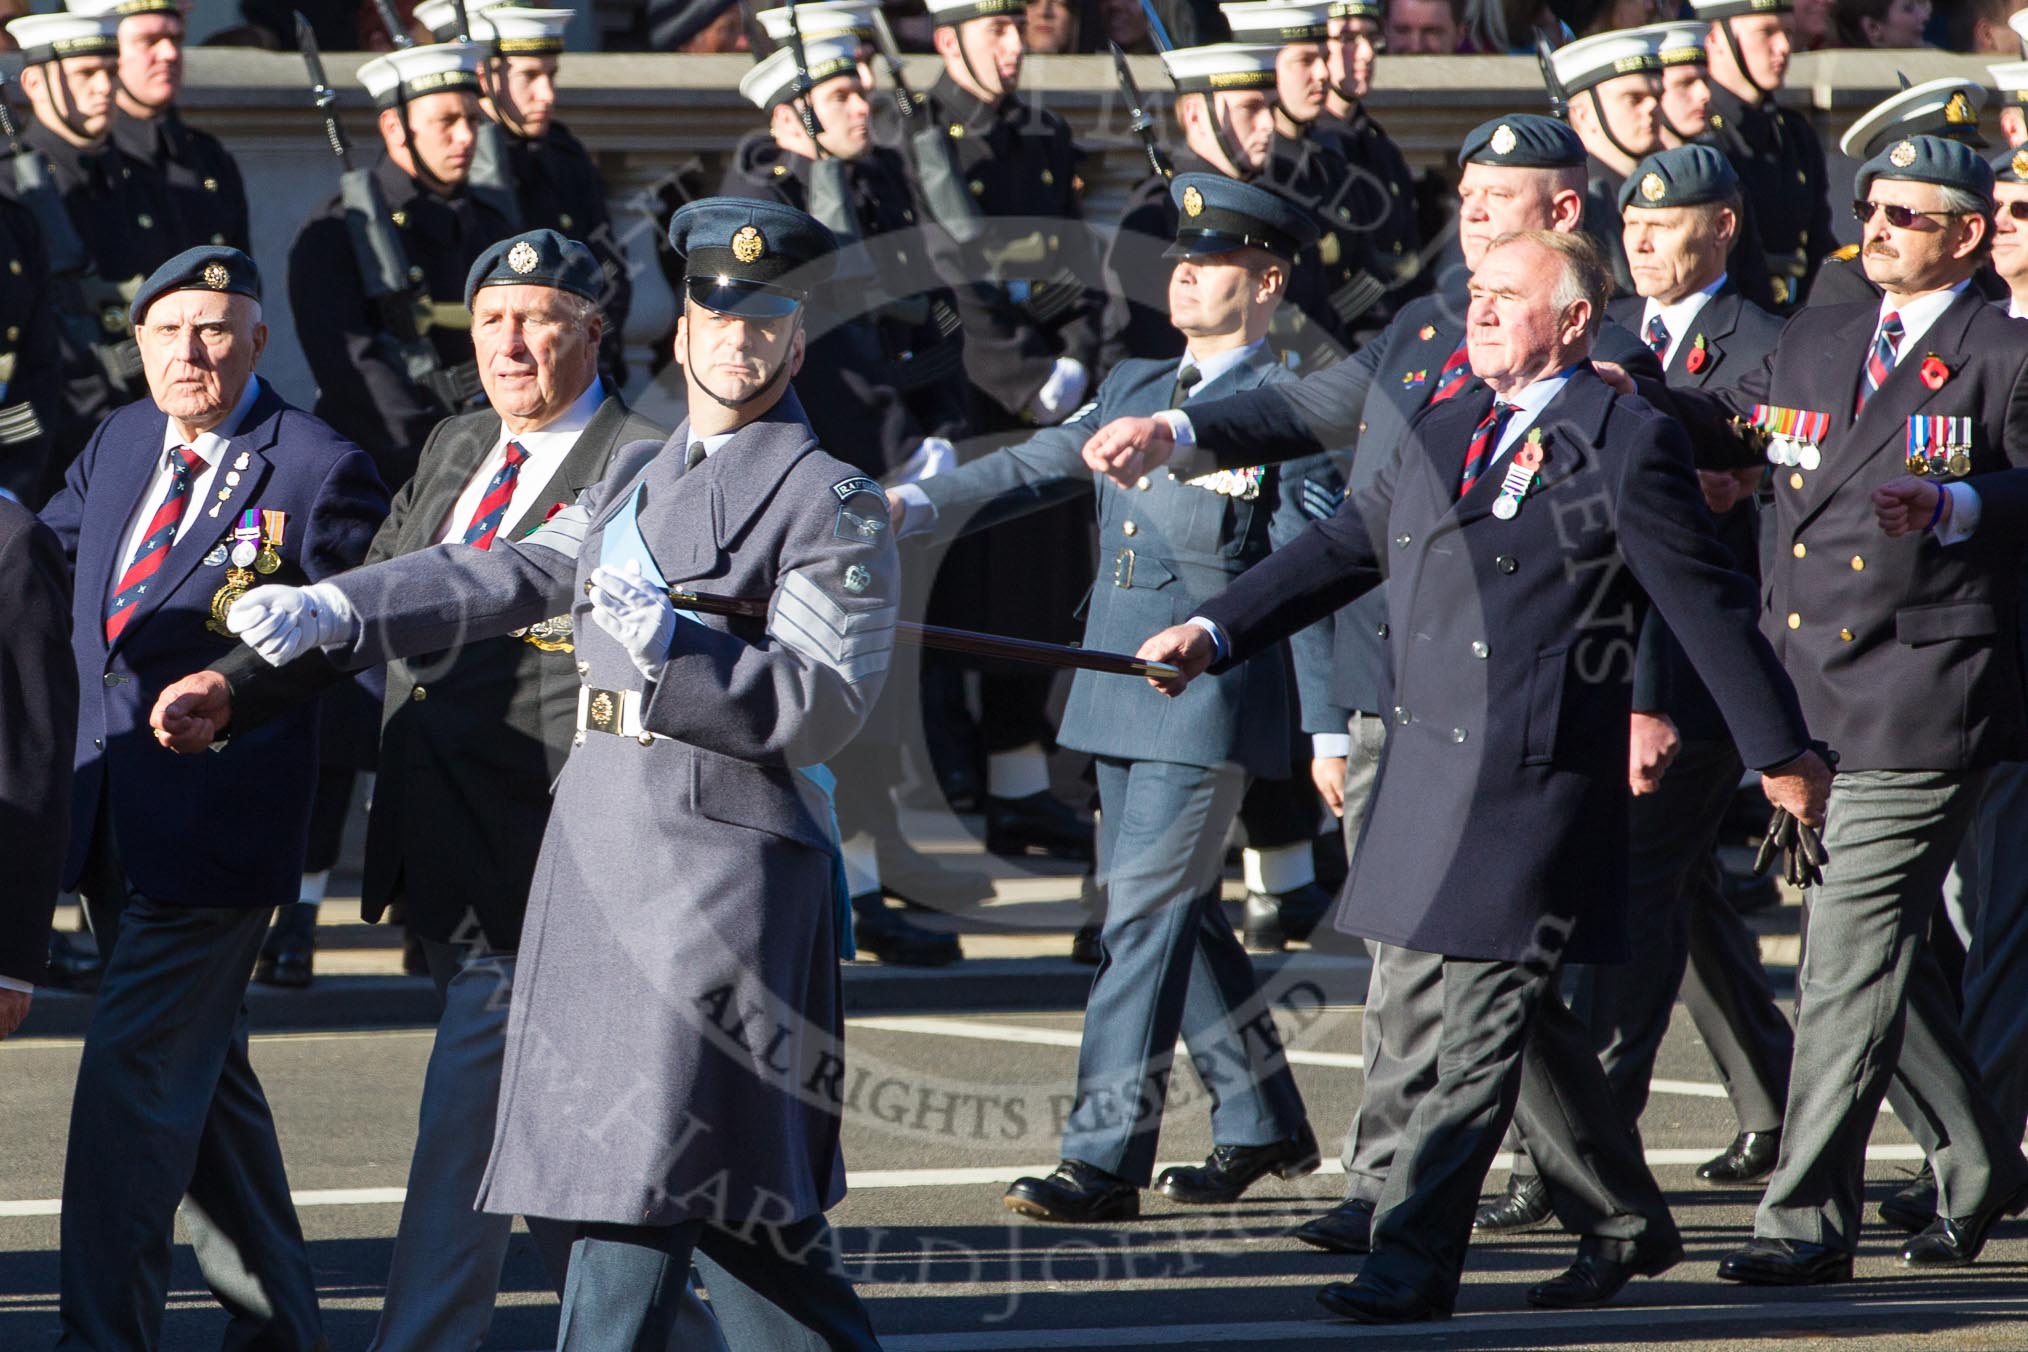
(949,1106)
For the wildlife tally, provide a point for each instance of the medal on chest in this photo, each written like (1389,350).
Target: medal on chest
(1522,471)
(1794,436)
(1243,484)
(1940,446)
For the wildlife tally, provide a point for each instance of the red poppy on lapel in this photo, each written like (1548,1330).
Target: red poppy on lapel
(554,508)
(1933,372)
(1698,357)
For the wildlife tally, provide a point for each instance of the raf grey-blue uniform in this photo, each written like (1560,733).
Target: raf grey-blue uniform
(673,1059)
(1170,772)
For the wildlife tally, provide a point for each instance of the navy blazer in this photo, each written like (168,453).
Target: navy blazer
(227,828)
(1164,546)
(1498,826)
(1363,403)
(38,720)
(1904,651)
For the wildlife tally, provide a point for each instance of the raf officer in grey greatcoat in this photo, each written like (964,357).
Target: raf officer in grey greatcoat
(1170,776)
(1496,837)
(678,966)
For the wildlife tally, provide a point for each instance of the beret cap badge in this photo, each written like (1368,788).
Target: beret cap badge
(216,277)
(2021,162)
(1652,188)
(1902,155)
(522,258)
(747,244)
(1503,140)
(1193,202)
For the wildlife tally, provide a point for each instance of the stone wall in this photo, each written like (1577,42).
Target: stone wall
(645,116)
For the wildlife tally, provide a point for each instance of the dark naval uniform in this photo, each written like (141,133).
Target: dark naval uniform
(559,187)
(32,408)
(362,387)
(201,180)
(1356,277)
(38,714)
(1382,199)
(1781,170)
(886,359)
(1602,219)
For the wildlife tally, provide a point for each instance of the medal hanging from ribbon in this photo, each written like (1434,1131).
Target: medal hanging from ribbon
(1243,484)
(239,578)
(273,526)
(1520,477)
(1795,436)
(1940,446)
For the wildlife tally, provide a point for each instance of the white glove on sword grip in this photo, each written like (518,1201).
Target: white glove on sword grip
(636,613)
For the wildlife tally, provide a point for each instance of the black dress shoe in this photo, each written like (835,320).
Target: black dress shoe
(1375,1302)
(1785,1262)
(895,939)
(1261,929)
(289,949)
(1595,1279)
(1042,823)
(72,966)
(1231,1169)
(1948,1242)
(1302,909)
(1913,1207)
(1076,1194)
(1085,946)
(1750,1158)
(1525,1207)
(1345,1228)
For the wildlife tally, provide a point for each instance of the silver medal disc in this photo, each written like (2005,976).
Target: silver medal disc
(1810,458)
(244,553)
(1504,507)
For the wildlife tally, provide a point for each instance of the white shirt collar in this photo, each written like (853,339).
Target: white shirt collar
(1218,363)
(1528,402)
(210,446)
(1917,315)
(1678,315)
(2014,310)
(564,427)
(713,442)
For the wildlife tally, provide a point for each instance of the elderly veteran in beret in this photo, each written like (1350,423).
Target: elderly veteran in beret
(1900,433)
(472,737)
(679,961)
(177,507)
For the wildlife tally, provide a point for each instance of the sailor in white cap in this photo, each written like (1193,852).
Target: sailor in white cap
(1611,85)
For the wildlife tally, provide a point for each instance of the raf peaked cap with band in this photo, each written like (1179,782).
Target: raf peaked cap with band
(1683,176)
(1216,215)
(1275,21)
(746,256)
(412,72)
(1592,61)
(1930,159)
(1522,141)
(1946,107)
(52,37)
(209,267)
(538,258)
(509,29)
(776,80)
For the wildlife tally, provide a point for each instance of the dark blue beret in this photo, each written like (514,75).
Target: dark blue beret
(1523,141)
(209,267)
(538,258)
(748,256)
(1216,215)
(1683,176)
(2010,166)
(1930,159)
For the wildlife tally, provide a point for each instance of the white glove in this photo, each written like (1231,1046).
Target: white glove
(636,613)
(1062,392)
(933,456)
(283,623)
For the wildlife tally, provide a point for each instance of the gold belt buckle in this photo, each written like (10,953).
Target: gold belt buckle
(602,712)
(1123,569)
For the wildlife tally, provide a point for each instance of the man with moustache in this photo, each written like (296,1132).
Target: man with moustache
(428,109)
(199,176)
(1519,172)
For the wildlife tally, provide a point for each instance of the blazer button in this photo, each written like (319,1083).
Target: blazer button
(1796,481)
(1142,483)
(1458,735)
(1403,540)
(420,692)
(1129,528)
(1858,564)
(1505,563)
(1401,715)
(1795,620)
(1800,551)
(1845,634)
(1380,630)
(99,743)
(1480,650)
(114,678)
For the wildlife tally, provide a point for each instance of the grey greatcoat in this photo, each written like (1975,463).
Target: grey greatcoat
(673,1044)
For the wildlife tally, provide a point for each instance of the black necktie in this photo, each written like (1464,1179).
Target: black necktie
(1187,379)
(693,457)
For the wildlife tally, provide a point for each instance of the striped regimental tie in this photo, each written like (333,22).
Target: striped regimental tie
(155,545)
(492,509)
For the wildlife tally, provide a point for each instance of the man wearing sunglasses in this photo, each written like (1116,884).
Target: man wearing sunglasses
(1893,601)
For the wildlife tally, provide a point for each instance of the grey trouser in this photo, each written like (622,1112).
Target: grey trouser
(1995,1020)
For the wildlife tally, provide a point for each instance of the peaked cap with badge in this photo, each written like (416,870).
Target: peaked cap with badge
(1929,159)
(1947,107)
(745,256)
(210,267)
(1220,214)
(538,258)
(1522,141)
(1681,176)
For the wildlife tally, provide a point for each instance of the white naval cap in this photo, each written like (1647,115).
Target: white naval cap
(951,13)
(512,29)
(1594,60)
(1679,42)
(1714,10)
(1222,65)
(773,79)
(1278,21)
(2011,79)
(1948,106)
(819,18)
(411,72)
(125,9)
(51,37)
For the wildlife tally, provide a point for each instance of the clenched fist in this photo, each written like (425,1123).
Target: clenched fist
(1907,505)
(1187,647)
(1126,448)
(190,714)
